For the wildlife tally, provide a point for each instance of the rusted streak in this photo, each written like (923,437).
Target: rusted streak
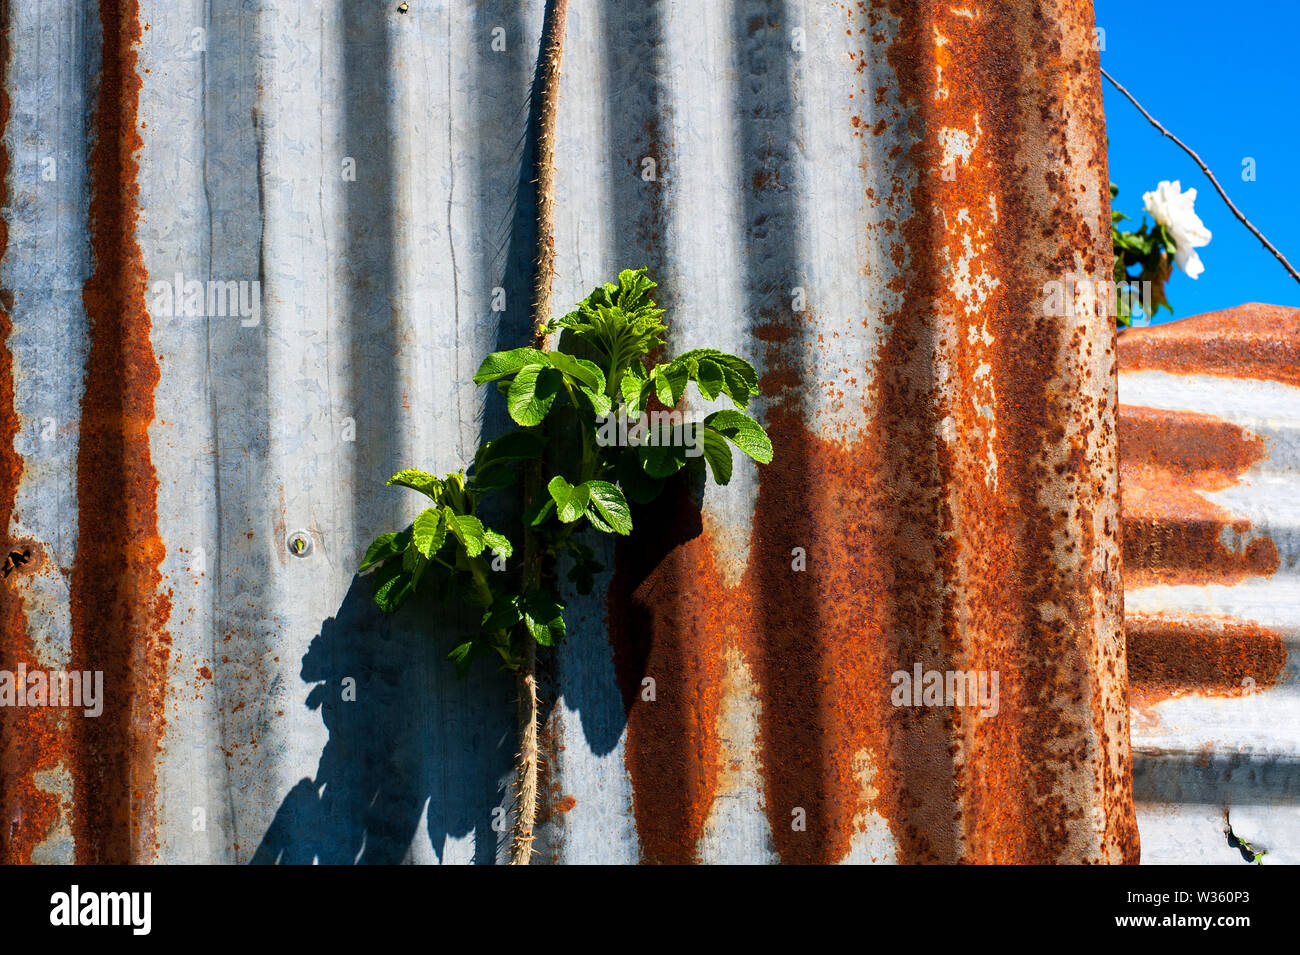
(1249,341)
(1196,450)
(1172,533)
(1172,656)
(915,552)
(1004,576)
(666,623)
(118,610)
(29,738)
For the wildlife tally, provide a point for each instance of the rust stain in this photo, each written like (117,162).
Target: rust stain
(665,620)
(1250,341)
(30,738)
(119,613)
(1185,447)
(928,535)
(1173,534)
(1177,655)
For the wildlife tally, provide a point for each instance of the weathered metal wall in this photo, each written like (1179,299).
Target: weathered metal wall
(1210,440)
(864,198)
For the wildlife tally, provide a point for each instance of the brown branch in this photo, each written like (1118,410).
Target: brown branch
(547,102)
(1208,174)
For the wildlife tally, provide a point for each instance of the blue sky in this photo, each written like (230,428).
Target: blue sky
(1225,80)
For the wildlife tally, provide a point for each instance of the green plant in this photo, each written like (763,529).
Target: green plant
(1149,251)
(574,405)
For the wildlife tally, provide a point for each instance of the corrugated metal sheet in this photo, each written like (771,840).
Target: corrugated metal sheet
(865,198)
(1210,440)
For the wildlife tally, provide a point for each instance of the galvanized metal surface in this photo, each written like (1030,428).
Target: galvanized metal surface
(1210,439)
(864,198)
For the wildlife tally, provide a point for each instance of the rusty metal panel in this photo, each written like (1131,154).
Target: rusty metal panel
(1210,475)
(865,198)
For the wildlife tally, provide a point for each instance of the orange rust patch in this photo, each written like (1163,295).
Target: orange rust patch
(30,738)
(1250,341)
(1196,450)
(1172,533)
(118,612)
(665,626)
(914,554)
(1173,656)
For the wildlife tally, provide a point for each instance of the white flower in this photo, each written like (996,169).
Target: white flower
(1172,208)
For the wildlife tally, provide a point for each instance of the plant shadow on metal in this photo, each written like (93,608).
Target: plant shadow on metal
(396,748)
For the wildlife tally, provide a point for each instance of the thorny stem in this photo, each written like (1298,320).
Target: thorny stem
(548,96)
(1208,174)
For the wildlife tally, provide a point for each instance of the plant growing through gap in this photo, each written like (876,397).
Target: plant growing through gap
(560,398)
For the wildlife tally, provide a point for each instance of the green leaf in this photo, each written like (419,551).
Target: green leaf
(718,455)
(517,445)
(496,475)
(498,543)
(636,484)
(430,530)
(501,363)
(598,403)
(661,461)
(538,511)
(420,481)
(709,377)
(543,616)
(582,372)
(392,587)
(670,382)
(462,655)
(633,288)
(532,393)
(470,531)
(570,501)
(633,388)
(742,431)
(608,501)
(503,614)
(385,546)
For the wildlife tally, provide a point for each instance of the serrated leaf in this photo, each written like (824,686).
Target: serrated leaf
(501,363)
(495,476)
(470,531)
(636,484)
(736,386)
(503,614)
(385,546)
(670,383)
(598,402)
(417,480)
(742,431)
(633,388)
(661,461)
(393,586)
(498,543)
(462,655)
(570,501)
(539,510)
(582,372)
(717,452)
(608,501)
(429,531)
(543,616)
(518,445)
(710,378)
(532,393)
